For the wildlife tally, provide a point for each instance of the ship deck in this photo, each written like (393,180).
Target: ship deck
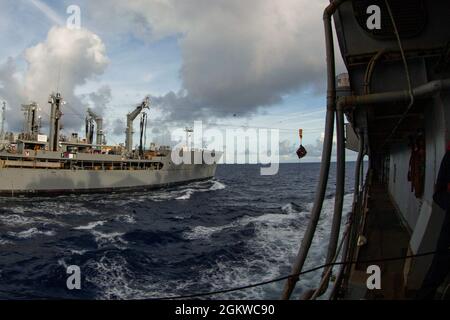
(387,237)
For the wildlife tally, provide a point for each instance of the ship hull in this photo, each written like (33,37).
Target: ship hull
(20,181)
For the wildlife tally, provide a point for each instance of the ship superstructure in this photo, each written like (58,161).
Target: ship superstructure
(34,163)
(396,98)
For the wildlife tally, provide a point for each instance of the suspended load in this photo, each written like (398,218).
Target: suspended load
(301,151)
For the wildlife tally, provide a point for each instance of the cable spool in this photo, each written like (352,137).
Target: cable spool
(301,151)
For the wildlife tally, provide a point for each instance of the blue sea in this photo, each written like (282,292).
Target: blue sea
(236,229)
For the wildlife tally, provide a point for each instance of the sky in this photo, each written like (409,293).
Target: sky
(229,63)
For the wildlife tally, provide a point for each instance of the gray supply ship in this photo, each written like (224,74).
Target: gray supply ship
(33,163)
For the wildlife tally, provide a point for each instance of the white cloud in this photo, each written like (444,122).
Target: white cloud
(236,55)
(63,62)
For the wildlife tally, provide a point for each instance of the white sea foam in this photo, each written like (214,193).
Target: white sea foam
(114,238)
(199,187)
(217,185)
(62,208)
(184,192)
(78,252)
(91,225)
(127,218)
(113,276)
(4,242)
(273,248)
(16,220)
(30,233)
(270,253)
(291,208)
(187,194)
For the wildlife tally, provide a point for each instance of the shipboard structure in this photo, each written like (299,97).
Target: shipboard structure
(34,163)
(396,99)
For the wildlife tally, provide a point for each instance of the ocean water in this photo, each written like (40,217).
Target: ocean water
(236,229)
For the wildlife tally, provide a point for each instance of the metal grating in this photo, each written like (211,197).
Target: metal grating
(410,17)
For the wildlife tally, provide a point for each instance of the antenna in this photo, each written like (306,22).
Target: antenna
(59,77)
(2,131)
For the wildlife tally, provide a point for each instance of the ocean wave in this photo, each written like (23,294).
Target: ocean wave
(105,239)
(199,187)
(115,279)
(91,225)
(77,252)
(4,242)
(182,192)
(291,208)
(289,213)
(187,194)
(217,185)
(30,233)
(126,218)
(15,220)
(273,248)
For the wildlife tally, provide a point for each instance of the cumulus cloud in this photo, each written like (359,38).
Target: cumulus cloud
(118,127)
(11,90)
(64,61)
(287,148)
(98,101)
(236,55)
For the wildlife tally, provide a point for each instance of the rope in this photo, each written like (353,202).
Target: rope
(408,77)
(210,293)
(326,275)
(298,274)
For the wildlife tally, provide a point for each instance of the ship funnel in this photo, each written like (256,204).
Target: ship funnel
(99,122)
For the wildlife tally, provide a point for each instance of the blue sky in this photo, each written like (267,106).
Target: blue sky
(161,62)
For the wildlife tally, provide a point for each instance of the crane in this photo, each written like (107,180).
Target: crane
(130,118)
(56,101)
(90,118)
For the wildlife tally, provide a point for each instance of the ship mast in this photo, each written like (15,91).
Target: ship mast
(2,131)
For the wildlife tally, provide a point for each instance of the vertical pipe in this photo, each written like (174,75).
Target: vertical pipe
(51,138)
(129,134)
(345,253)
(339,196)
(326,153)
(2,130)
(99,138)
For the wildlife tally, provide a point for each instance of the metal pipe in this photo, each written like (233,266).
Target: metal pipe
(422,91)
(356,190)
(2,130)
(370,69)
(338,199)
(326,153)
